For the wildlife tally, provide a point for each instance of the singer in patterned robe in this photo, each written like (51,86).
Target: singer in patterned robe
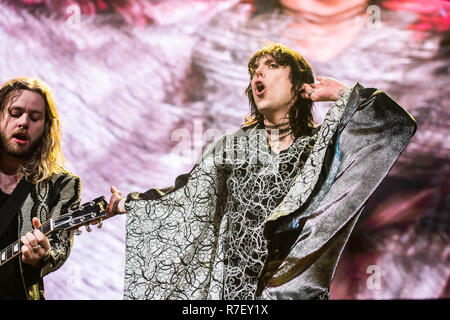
(267,210)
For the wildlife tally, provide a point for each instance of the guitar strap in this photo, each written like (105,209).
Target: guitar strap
(11,207)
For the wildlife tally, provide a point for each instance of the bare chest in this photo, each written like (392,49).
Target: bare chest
(8,183)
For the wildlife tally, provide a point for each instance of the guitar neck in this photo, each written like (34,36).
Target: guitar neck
(75,217)
(13,249)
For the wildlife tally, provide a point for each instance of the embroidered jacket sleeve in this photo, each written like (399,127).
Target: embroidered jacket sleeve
(50,199)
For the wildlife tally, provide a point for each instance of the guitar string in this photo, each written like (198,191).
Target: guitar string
(45,225)
(10,247)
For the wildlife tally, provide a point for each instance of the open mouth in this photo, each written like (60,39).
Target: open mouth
(260,88)
(20,138)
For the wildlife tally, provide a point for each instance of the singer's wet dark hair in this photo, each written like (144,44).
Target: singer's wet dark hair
(300,114)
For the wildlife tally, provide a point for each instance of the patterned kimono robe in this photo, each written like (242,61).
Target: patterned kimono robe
(245,223)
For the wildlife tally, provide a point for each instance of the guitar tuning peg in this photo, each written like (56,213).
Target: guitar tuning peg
(77,232)
(100,223)
(88,228)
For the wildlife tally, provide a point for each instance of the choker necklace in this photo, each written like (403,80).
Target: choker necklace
(279,131)
(278,138)
(276,125)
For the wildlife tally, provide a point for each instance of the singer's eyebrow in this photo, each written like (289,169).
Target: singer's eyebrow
(268,61)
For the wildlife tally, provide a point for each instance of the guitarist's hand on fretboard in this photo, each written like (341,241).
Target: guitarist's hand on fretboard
(34,245)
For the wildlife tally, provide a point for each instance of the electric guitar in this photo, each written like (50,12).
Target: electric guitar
(77,216)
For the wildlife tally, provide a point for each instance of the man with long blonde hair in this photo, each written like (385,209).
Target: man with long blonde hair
(34,187)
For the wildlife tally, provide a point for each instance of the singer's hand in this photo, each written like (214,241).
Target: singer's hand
(327,89)
(116,203)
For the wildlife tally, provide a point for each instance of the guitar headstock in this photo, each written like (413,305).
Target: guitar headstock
(89,212)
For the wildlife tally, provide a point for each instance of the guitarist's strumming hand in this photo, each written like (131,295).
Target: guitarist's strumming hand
(116,203)
(34,245)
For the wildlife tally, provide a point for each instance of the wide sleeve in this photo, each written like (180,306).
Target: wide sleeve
(172,235)
(308,233)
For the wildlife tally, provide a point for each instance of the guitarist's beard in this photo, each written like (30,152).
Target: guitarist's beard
(9,149)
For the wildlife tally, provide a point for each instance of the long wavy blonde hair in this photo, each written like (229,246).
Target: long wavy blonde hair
(47,158)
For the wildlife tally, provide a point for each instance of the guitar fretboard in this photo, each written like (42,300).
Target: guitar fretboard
(72,219)
(13,249)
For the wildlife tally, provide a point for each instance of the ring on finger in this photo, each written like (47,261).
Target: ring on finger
(36,248)
(310,92)
(115,207)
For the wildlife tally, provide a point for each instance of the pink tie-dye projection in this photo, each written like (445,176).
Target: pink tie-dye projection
(132,81)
